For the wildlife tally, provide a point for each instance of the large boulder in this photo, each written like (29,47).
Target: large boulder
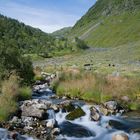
(74,130)
(66,106)
(94,114)
(51,123)
(55,107)
(103,110)
(35,108)
(111,105)
(77,113)
(125,98)
(120,125)
(121,136)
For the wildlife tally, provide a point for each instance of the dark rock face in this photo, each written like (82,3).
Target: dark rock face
(118,125)
(130,126)
(75,130)
(78,112)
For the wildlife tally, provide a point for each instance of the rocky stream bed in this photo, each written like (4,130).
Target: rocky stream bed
(47,117)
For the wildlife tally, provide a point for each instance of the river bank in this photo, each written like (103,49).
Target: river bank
(48,116)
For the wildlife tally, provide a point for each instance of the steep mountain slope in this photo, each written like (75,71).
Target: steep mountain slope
(110,23)
(62,32)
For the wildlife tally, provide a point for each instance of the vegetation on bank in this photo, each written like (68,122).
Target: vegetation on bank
(98,88)
(16,75)
(12,61)
(11,93)
(8,95)
(109,23)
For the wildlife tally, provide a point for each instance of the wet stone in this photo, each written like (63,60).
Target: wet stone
(121,136)
(77,113)
(75,130)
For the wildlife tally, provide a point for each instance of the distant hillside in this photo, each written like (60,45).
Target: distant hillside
(62,32)
(25,37)
(110,23)
(34,41)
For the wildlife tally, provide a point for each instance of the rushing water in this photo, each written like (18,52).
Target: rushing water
(83,128)
(100,130)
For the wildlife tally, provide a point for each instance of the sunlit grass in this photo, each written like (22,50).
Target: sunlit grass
(8,96)
(95,87)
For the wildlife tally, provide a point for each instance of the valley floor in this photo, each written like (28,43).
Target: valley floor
(122,60)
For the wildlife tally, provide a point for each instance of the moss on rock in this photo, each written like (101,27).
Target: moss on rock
(78,112)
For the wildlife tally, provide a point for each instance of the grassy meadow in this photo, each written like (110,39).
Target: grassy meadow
(96,87)
(114,73)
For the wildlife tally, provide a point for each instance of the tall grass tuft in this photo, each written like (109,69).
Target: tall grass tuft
(94,87)
(25,93)
(8,96)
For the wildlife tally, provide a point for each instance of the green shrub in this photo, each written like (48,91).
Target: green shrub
(25,93)
(38,78)
(134,106)
(12,60)
(92,96)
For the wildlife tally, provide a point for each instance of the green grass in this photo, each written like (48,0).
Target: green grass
(134,106)
(97,88)
(110,24)
(115,31)
(38,78)
(25,93)
(34,57)
(8,96)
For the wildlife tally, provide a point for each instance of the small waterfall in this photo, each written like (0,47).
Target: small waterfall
(51,114)
(100,129)
(83,128)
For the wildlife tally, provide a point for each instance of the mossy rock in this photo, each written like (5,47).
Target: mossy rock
(69,108)
(78,112)
(118,125)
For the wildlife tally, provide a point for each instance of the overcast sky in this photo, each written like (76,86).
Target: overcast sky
(48,15)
